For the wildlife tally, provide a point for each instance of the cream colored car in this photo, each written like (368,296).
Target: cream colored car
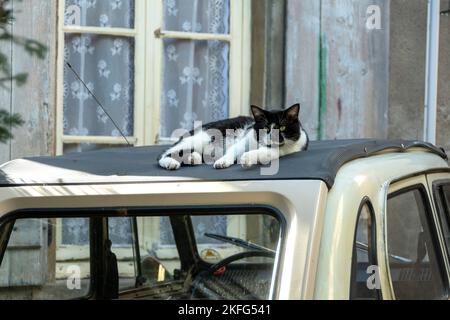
(359,219)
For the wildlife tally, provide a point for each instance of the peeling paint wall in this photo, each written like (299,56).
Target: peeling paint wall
(338,68)
(352,82)
(302,60)
(268,42)
(35,101)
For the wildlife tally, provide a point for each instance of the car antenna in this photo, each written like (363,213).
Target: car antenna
(99,103)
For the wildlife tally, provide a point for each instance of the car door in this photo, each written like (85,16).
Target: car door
(415,253)
(439,186)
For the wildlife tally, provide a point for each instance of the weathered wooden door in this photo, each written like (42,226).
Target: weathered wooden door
(25,261)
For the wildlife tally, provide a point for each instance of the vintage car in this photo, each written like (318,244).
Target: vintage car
(351,219)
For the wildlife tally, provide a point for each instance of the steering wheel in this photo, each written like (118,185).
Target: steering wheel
(238,256)
(209,292)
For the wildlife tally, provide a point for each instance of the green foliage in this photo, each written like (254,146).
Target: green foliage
(7,122)
(32,47)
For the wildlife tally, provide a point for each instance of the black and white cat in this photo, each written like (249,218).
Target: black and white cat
(266,137)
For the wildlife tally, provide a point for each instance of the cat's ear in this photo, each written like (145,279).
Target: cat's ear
(258,113)
(293,113)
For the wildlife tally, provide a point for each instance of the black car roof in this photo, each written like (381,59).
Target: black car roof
(321,162)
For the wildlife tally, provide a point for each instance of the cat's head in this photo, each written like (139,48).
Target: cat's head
(276,128)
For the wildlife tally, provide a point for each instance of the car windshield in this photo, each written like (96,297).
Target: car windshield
(219,237)
(147,256)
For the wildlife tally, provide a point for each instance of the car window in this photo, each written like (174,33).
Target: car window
(218,237)
(141,255)
(365,281)
(121,237)
(143,258)
(37,266)
(443,205)
(415,259)
(189,256)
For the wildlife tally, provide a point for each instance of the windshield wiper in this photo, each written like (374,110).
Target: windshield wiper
(239,242)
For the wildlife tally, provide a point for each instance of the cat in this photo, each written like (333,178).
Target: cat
(273,134)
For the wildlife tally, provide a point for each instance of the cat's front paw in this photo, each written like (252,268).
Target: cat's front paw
(195,159)
(248,160)
(223,163)
(169,164)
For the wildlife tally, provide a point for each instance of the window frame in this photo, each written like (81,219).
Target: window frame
(6,230)
(442,206)
(148,44)
(373,243)
(137,35)
(418,183)
(67,252)
(96,232)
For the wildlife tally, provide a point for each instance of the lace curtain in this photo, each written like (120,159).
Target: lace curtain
(106,64)
(195,80)
(195,73)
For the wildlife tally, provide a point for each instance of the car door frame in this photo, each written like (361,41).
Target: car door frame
(405,184)
(435,180)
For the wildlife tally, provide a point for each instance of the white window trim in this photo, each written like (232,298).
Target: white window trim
(67,253)
(148,68)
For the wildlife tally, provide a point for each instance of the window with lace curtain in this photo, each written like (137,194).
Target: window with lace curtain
(154,65)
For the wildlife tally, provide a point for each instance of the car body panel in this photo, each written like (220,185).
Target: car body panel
(300,202)
(432,179)
(370,177)
(317,246)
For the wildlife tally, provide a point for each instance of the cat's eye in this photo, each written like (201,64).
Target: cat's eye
(283,128)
